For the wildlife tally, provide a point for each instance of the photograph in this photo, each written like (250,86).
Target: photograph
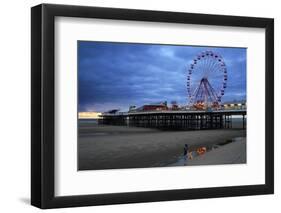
(139,105)
(146,105)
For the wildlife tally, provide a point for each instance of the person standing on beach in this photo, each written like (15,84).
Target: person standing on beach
(185,151)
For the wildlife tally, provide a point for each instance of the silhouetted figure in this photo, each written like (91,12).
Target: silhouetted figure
(185,150)
(185,153)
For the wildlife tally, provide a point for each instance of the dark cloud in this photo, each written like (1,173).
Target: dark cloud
(117,75)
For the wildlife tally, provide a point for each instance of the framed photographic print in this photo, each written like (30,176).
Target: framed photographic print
(139,106)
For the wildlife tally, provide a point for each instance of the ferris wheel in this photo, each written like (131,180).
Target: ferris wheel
(206,80)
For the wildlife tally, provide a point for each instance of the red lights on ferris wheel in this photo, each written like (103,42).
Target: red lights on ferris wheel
(206,80)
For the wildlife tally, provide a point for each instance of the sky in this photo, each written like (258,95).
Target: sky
(118,75)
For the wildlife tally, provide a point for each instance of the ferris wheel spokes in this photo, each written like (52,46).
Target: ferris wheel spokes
(207,87)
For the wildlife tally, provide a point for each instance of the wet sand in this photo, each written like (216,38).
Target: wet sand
(231,153)
(115,147)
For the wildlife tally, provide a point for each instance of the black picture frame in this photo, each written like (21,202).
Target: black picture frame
(43,111)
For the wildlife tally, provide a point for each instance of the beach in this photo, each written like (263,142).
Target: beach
(116,147)
(230,153)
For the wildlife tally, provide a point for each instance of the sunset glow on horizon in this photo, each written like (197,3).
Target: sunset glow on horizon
(89,115)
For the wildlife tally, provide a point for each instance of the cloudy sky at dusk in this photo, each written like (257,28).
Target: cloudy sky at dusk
(117,75)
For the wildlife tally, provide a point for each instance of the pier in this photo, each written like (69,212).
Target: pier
(175,120)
